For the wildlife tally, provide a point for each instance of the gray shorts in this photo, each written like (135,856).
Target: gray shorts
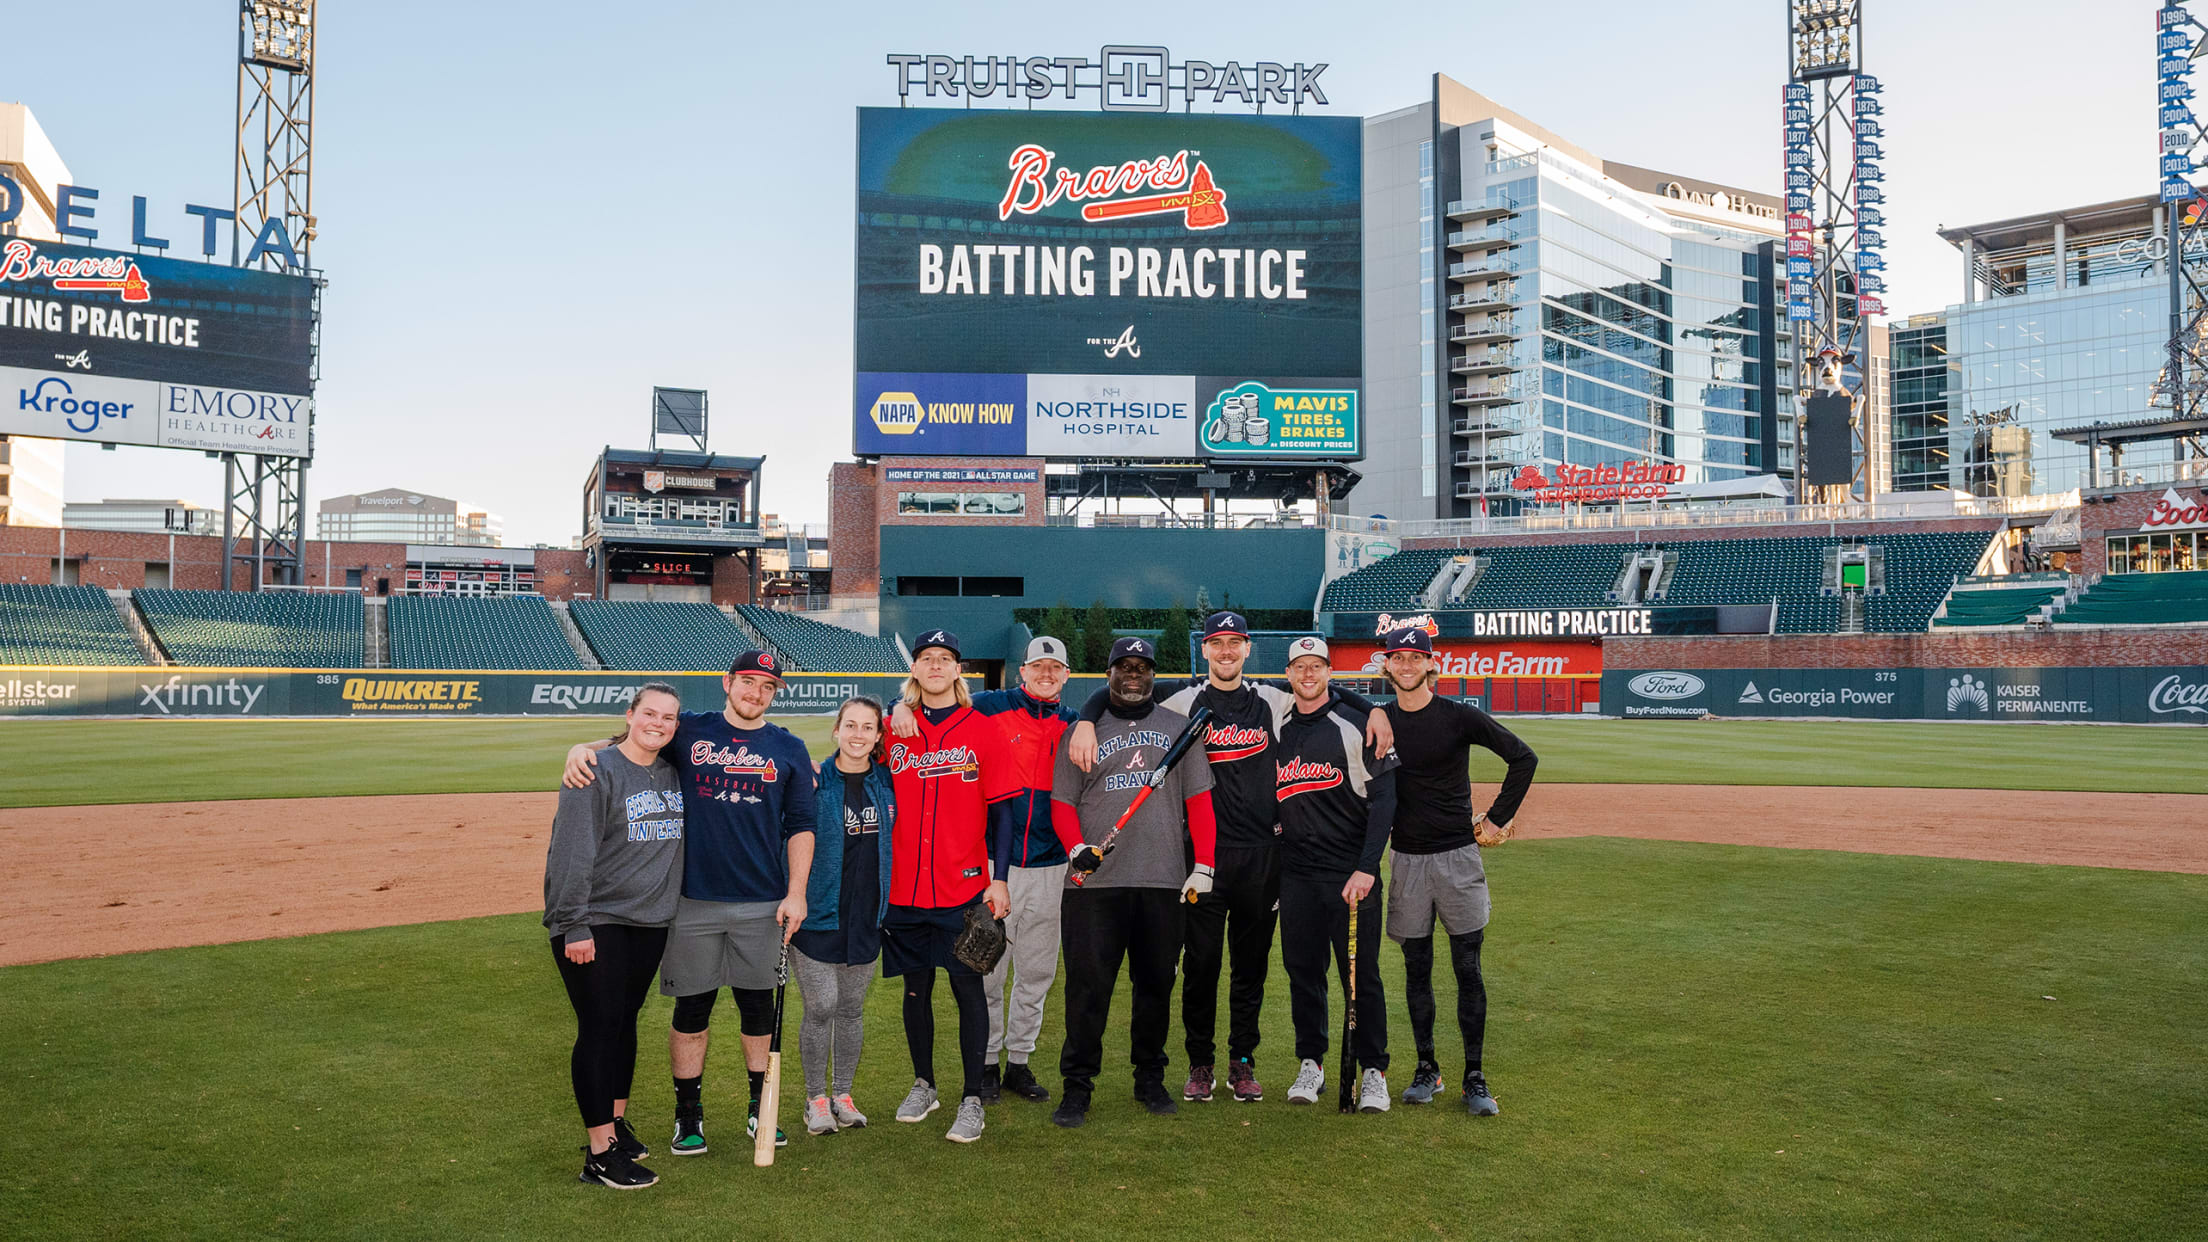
(720,944)
(1452,884)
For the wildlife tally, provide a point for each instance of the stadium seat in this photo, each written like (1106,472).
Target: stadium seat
(256,629)
(2142,599)
(804,643)
(656,637)
(63,625)
(517,632)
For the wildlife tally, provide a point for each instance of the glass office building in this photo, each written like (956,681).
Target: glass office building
(1575,310)
(2064,322)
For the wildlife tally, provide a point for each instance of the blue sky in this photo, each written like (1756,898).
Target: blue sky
(530,214)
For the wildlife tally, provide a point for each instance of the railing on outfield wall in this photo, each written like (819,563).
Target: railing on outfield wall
(1700,518)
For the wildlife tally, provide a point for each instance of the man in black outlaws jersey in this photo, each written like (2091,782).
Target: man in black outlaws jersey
(1237,915)
(1337,799)
(1437,869)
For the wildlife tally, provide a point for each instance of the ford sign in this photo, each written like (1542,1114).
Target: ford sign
(1665,685)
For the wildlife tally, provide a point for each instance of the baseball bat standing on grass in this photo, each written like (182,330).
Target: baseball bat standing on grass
(1348,1099)
(770,1093)
(1173,755)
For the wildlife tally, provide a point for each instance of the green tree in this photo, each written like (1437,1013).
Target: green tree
(1096,638)
(1203,603)
(1173,640)
(1059,623)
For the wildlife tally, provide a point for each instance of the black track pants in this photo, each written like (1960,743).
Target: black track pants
(1418,971)
(607,992)
(1237,916)
(973,1025)
(1099,927)
(1314,917)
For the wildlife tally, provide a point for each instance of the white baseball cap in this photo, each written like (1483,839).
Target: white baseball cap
(1308,646)
(1047,648)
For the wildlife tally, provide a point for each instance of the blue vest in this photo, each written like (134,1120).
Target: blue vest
(824,888)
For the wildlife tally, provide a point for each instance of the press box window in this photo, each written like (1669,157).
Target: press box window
(991,588)
(962,504)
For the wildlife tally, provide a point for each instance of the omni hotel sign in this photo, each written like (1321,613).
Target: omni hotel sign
(1125,77)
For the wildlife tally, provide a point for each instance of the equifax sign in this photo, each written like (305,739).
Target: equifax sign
(2174,512)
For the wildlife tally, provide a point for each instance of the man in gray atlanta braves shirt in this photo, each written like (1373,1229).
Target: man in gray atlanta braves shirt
(1130,903)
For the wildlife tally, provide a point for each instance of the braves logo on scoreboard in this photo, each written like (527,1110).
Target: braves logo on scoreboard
(112,273)
(1036,184)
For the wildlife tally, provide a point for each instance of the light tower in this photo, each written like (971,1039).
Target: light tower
(264,520)
(1835,268)
(2183,384)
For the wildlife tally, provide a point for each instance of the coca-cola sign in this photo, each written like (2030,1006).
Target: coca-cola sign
(2175,694)
(2174,512)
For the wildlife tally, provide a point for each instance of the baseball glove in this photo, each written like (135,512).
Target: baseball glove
(1490,835)
(982,943)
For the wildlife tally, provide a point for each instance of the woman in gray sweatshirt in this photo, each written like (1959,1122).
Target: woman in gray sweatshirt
(611,877)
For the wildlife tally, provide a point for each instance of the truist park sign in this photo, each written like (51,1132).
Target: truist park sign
(1122,77)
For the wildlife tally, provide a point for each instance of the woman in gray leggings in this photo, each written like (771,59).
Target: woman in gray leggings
(845,900)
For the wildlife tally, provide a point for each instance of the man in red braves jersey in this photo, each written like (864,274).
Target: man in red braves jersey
(1236,914)
(940,866)
(1337,803)
(1027,854)
(747,856)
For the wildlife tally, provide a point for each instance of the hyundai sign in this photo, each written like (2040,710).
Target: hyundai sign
(1071,285)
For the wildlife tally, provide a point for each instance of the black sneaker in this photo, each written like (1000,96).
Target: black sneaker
(689,1137)
(1073,1111)
(1476,1099)
(751,1127)
(626,1142)
(1151,1094)
(990,1083)
(1020,1081)
(611,1168)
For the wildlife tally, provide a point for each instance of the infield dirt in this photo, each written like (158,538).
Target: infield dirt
(93,880)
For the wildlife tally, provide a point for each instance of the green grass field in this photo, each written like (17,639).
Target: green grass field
(65,762)
(1688,1041)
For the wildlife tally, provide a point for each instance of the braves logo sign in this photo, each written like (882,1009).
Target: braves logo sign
(1036,185)
(20,260)
(1302,776)
(742,761)
(1225,743)
(958,761)
(1387,625)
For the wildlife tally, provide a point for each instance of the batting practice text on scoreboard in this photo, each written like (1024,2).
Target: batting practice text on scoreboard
(1129,271)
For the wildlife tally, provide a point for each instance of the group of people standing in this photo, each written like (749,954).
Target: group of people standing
(700,844)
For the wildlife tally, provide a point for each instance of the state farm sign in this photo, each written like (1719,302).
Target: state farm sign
(2174,512)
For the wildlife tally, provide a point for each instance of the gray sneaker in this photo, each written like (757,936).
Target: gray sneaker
(847,1114)
(1310,1080)
(919,1103)
(969,1125)
(818,1118)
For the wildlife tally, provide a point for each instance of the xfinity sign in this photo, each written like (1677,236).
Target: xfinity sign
(1123,77)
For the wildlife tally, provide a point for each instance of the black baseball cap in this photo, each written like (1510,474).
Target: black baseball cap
(1140,648)
(757,663)
(936,638)
(1410,638)
(1226,623)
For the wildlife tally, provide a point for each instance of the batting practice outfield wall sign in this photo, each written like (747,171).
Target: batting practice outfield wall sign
(2119,695)
(1128,285)
(257,693)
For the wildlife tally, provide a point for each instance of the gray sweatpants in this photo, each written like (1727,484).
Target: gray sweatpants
(1031,956)
(835,1014)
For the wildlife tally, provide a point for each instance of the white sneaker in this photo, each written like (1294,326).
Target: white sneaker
(1310,1080)
(919,1102)
(1372,1092)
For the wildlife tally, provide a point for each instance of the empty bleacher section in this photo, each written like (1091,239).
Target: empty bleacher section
(1918,569)
(658,637)
(1997,603)
(256,629)
(811,645)
(2141,599)
(63,625)
(518,632)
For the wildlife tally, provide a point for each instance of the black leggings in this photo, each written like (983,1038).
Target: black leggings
(973,1025)
(1418,981)
(607,992)
(754,1010)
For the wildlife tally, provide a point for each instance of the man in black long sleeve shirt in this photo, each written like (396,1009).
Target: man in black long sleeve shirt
(1337,800)
(1437,871)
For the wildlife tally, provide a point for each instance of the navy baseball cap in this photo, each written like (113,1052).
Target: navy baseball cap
(757,664)
(1140,648)
(1226,623)
(1410,638)
(936,638)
